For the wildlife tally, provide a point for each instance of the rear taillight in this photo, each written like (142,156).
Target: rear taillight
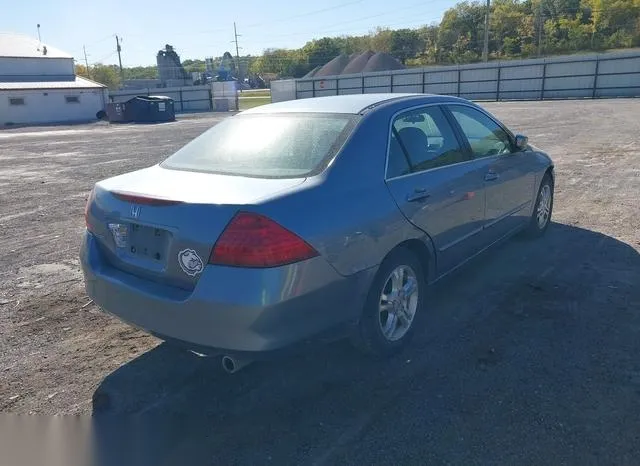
(253,240)
(92,196)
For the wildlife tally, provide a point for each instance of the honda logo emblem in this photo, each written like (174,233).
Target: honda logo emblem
(135,211)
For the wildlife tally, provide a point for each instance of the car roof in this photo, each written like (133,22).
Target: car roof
(350,104)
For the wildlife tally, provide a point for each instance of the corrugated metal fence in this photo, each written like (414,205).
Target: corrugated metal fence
(187,99)
(215,96)
(574,76)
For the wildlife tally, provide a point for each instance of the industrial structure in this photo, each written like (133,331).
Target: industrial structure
(38,85)
(170,69)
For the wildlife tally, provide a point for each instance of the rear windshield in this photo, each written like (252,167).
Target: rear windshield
(269,146)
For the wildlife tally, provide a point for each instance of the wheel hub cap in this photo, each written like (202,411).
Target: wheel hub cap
(398,302)
(544,206)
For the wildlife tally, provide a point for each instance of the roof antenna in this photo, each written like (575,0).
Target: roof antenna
(44,47)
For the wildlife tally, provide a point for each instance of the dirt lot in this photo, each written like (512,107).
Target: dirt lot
(530,356)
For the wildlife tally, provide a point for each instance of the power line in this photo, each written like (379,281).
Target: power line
(386,13)
(97,62)
(353,33)
(309,13)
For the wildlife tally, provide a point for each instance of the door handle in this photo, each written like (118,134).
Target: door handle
(491,176)
(418,194)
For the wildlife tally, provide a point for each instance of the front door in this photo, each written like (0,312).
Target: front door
(436,185)
(509,182)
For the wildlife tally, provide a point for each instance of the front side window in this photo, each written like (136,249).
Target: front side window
(485,136)
(266,146)
(422,139)
(16,100)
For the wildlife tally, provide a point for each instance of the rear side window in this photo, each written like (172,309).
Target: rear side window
(422,139)
(266,146)
(485,136)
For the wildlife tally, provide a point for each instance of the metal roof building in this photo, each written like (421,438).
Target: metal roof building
(38,85)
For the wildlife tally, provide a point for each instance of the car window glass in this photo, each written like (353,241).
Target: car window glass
(485,136)
(272,146)
(427,139)
(398,164)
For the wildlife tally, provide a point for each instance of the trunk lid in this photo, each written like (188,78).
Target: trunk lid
(161,224)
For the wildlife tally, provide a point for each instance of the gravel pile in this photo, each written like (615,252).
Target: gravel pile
(382,62)
(312,73)
(357,64)
(334,67)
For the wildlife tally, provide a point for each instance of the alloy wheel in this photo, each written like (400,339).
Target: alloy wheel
(544,206)
(398,302)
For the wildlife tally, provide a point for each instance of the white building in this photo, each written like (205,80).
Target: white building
(38,85)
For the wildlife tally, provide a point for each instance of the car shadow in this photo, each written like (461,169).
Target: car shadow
(528,354)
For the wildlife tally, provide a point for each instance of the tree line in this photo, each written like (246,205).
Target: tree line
(109,75)
(517,29)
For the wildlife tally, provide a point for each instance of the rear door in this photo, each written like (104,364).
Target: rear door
(509,180)
(435,183)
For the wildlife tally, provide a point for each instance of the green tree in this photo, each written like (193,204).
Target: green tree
(141,72)
(318,52)
(406,43)
(515,31)
(194,66)
(460,35)
(104,74)
(107,75)
(81,70)
(509,28)
(381,40)
(286,63)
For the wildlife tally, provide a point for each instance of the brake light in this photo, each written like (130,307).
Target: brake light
(92,196)
(144,200)
(253,240)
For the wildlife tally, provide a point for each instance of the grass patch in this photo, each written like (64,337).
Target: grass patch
(246,102)
(256,93)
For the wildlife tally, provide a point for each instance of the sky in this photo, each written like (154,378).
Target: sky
(203,28)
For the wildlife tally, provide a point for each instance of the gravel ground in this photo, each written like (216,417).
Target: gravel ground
(530,354)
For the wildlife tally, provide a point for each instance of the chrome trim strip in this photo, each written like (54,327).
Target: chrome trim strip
(503,237)
(508,214)
(462,238)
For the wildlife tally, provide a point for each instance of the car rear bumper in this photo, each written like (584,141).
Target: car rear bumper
(230,309)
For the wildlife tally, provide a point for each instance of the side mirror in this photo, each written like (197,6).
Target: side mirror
(522,142)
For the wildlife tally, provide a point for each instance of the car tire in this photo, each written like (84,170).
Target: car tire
(388,320)
(542,210)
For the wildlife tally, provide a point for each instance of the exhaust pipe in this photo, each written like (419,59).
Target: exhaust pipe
(231,364)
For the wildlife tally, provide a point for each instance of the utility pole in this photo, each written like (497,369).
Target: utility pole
(485,50)
(119,49)
(540,29)
(86,62)
(235,34)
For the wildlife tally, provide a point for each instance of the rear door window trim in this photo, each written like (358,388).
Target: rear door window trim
(454,121)
(462,143)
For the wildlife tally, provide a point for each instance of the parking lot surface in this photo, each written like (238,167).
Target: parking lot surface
(528,356)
